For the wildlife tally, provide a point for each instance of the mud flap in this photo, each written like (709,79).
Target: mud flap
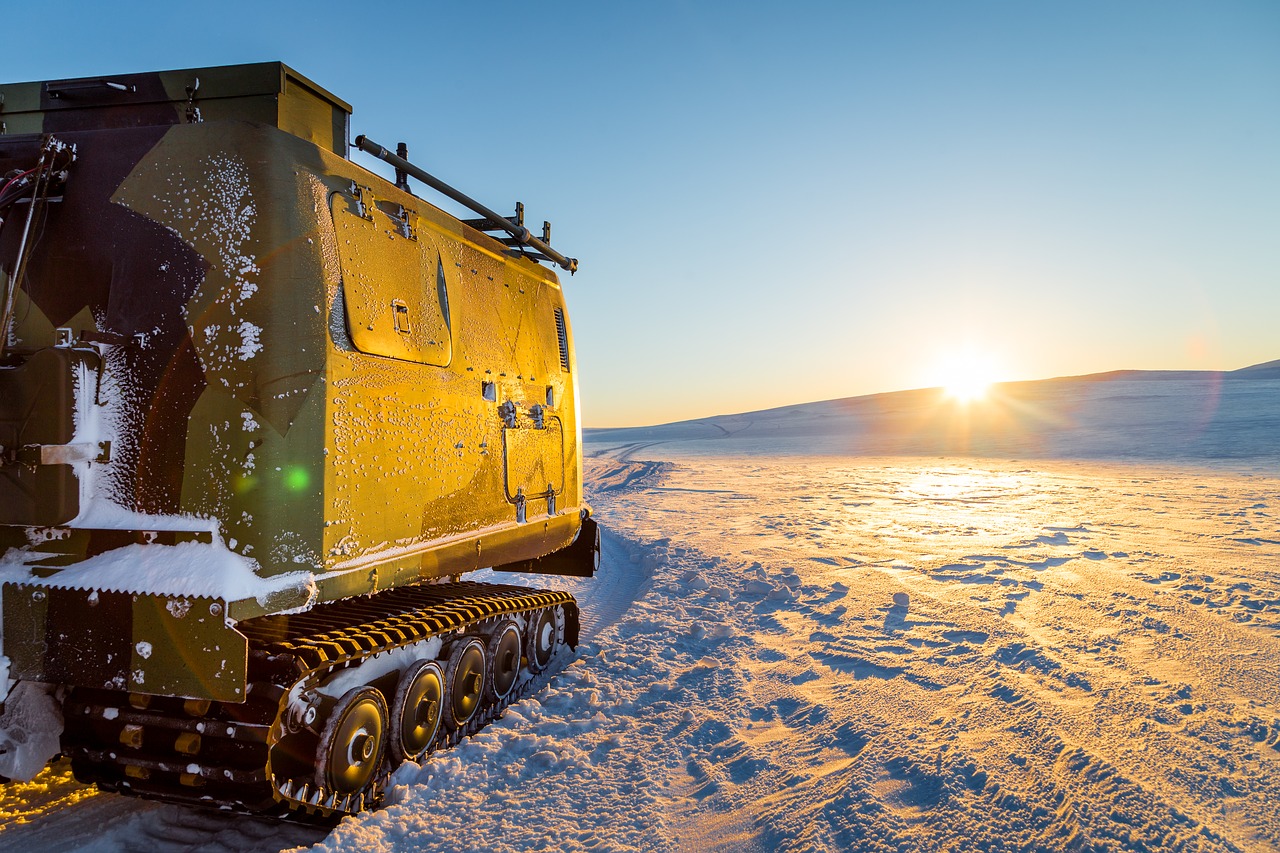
(579,560)
(162,645)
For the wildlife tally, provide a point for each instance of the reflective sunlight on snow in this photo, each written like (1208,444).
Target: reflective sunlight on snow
(855,653)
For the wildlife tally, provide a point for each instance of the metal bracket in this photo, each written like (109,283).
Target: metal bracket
(401,217)
(57,454)
(402,177)
(193,112)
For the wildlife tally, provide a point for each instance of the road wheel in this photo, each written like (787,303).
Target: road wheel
(417,709)
(503,653)
(543,639)
(353,741)
(464,675)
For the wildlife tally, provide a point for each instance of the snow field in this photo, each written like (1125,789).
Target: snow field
(985,656)
(840,653)
(847,654)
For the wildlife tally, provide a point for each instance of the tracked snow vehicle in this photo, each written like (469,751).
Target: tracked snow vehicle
(260,411)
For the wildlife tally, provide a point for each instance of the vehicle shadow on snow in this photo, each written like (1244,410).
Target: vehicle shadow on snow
(80,819)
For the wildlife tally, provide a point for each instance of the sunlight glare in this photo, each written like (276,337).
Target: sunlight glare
(967,388)
(967,376)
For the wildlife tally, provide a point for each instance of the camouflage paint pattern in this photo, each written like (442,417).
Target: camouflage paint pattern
(340,380)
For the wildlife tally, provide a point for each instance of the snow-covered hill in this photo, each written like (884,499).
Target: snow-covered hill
(1140,415)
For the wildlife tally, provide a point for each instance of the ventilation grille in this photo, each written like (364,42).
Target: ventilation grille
(562,335)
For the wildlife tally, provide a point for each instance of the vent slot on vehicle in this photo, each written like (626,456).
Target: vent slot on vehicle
(562,335)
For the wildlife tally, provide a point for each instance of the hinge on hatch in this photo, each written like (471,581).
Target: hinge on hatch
(357,194)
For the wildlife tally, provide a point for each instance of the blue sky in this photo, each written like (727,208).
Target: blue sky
(775,205)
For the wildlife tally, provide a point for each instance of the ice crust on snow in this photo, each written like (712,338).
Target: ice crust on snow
(1199,420)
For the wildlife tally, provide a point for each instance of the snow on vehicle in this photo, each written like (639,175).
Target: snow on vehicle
(260,409)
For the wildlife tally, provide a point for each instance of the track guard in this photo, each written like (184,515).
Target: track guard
(579,560)
(161,645)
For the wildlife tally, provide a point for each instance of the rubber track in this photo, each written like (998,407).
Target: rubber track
(286,652)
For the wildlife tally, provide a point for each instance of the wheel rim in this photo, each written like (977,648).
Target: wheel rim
(466,680)
(352,743)
(419,705)
(542,640)
(504,659)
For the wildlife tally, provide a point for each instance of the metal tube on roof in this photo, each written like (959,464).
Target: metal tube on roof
(519,232)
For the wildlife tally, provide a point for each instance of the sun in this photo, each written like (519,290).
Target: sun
(967,389)
(967,376)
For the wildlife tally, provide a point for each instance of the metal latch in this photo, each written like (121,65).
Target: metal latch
(400,313)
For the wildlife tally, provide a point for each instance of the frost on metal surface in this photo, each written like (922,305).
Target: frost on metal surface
(110,418)
(208,203)
(196,568)
(319,197)
(191,569)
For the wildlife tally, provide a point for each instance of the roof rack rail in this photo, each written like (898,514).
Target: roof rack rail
(520,236)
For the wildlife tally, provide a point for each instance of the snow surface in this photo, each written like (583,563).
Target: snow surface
(30,727)
(855,652)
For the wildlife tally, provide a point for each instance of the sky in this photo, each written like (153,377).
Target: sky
(780,205)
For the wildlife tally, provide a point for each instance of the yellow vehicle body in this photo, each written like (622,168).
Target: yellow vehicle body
(228,336)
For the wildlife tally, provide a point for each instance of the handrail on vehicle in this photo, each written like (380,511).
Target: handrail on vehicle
(518,232)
